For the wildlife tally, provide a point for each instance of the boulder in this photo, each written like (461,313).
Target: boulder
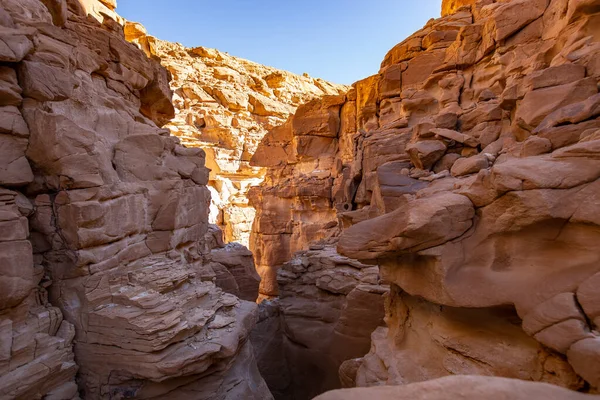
(425,153)
(467,387)
(470,165)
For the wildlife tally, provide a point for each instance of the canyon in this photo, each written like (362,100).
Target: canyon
(180,223)
(226,105)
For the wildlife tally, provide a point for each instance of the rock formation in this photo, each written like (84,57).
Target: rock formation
(460,387)
(294,203)
(104,235)
(329,306)
(439,218)
(452,6)
(468,170)
(36,356)
(226,105)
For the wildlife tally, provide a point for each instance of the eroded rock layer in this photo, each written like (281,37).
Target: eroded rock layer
(226,105)
(294,203)
(329,306)
(108,213)
(327,309)
(36,356)
(468,170)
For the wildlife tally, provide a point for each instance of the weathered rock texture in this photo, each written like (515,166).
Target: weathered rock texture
(468,170)
(226,105)
(36,356)
(452,6)
(109,214)
(329,306)
(294,203)
(460,387)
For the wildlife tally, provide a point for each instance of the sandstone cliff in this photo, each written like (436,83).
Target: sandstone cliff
(104,234)
(468,170)
(226,105)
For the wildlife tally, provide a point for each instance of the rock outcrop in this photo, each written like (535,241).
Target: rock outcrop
(468,170)
(36,356)
(294,203)
(226,105)
(104,234)
(329,306)
(452,6)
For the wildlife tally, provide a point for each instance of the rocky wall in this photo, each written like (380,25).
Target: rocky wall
(467,170)
(329,305)
(105,237)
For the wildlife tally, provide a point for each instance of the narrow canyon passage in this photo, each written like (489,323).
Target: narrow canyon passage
(225,105)
(179,223)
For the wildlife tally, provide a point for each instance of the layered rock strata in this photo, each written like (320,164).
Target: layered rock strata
(467,169)
(294,203)
(329,305)
(36,356)
(226,105)
(327,308)
(108,213)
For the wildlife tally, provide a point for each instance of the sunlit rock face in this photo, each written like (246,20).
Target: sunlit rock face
(108,265)
(452,6)
(226,105)
(468,170)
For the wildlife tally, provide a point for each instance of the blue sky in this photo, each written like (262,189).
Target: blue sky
(338,40)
